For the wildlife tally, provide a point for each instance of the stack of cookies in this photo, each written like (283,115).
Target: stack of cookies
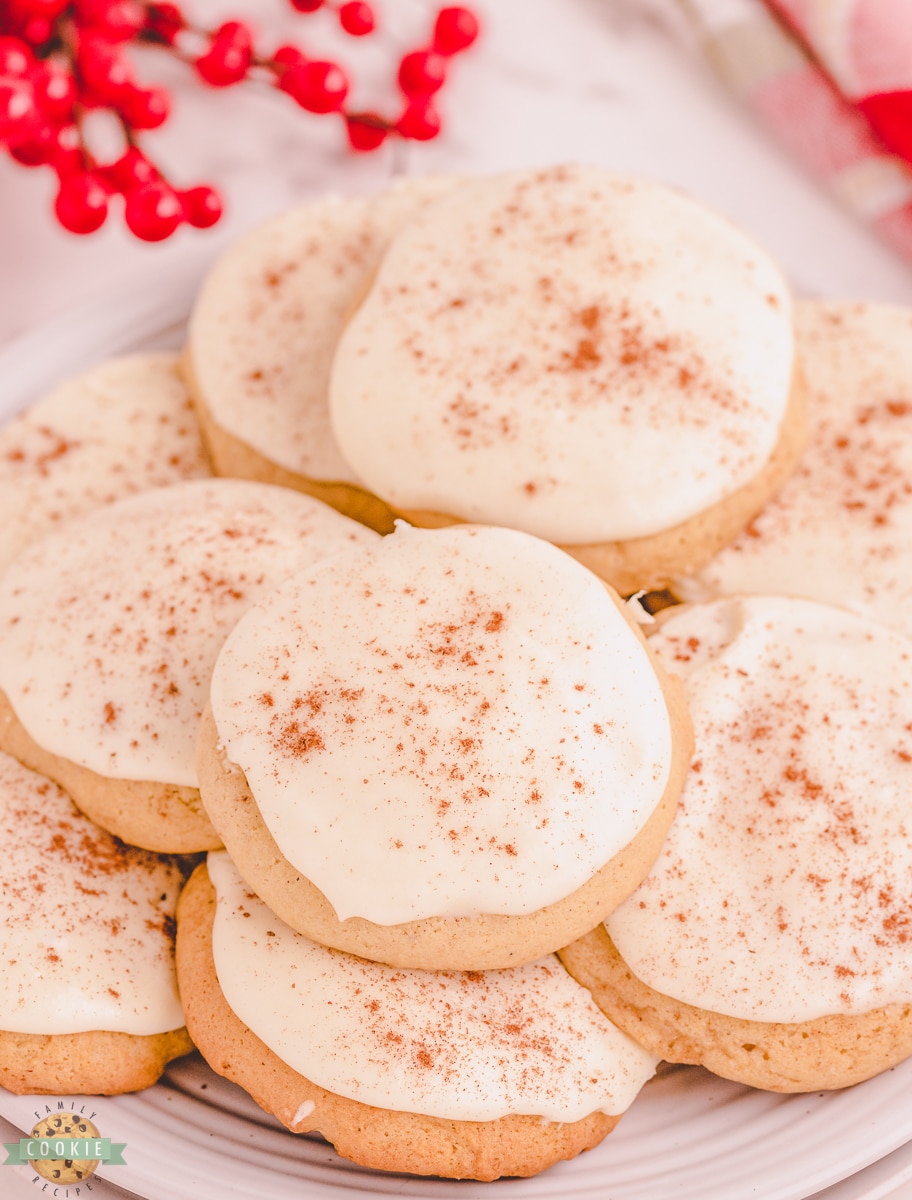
(510,753)
(480,854)
(89,990)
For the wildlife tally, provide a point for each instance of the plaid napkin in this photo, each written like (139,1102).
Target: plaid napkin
(833,79)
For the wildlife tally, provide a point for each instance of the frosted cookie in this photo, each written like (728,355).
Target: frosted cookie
(466,1075)
(263,332)
(770,942)
(88,990)
(596,360)
(121,427)
(109,629)
(443,749)
(840,530)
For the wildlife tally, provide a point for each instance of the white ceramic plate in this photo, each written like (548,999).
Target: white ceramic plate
(689,1136)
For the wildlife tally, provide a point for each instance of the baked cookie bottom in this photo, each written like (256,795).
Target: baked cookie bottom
(236,459)
(98,1062)
(829,1052)
(475,943)
(651,563)
(373,1137)
(164,817)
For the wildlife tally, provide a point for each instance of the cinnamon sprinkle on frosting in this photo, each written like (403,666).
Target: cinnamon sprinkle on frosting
(781,893)
(433,679)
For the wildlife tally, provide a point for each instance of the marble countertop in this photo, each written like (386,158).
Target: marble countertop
(614,82)
(607,81)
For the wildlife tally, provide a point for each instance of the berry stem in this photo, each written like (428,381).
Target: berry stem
(62,60)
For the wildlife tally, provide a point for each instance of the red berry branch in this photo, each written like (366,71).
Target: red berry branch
(61,60)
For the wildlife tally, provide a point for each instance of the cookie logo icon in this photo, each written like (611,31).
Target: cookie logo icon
(64,1148)
(61,1131)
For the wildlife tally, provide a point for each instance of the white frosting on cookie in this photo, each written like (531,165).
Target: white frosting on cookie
(467,1046)
(269,314)
(841,529)
(124,426)
(783,890)
(86,923)
(565,351)
(445,723)
(109,628)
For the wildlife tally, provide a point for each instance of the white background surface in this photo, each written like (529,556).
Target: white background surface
(606,81)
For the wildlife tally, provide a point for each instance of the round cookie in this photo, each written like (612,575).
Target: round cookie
(769,942)
(596,360)
(473,1075)
(263,332)
(122,427)
(840,531)
(443,749)
(110,627)
(88,991)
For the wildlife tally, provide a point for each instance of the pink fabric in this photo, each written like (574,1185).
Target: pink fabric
(828,137)
(833,80)
(896,227)
(872,38)
(880,34)
(867,54)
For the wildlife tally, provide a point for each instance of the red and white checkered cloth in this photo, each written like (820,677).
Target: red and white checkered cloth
(833,79)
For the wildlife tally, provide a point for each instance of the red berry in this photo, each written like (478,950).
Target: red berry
(119,20)
(164,22)
(82,203)
(228,58)
(54,146)
(422,73)
(288,56)
(33,20)
(319,87)
(420,122)
(45,9)
(69,157)
(202,207)
(38,30)
(57,148)
(104,69)
(366,131)
(16,57)
(455,29)
(36,150)
(60,149)
(130,171)
(307,6)
(235,33)
(143,108)
(55,92)
(19,116)
(153,211)
(356,18)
